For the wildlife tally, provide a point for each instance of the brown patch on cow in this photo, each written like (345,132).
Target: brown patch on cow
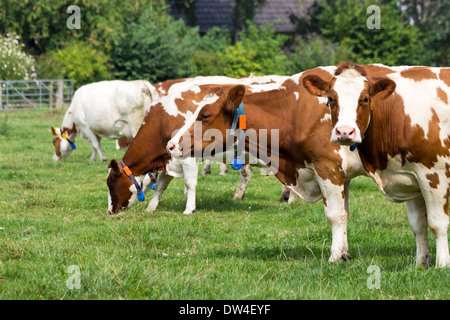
(163,87)
(444,75)
(57,144)
(442,95)
(446,202)
(433,179)
(324,201)
(418,74)
(123,143)
(447,170)
(377,71)
(343,66)
(69,131)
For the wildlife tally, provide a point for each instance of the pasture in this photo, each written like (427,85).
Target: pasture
(54,215)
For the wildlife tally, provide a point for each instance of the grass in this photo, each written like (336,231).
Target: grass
(53,215)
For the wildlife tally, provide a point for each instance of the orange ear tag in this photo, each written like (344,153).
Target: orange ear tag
(64,135)
(127,171)
(242,122)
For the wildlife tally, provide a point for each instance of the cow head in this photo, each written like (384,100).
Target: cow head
(62,147)
(350,96)
(215,111)
(122,191)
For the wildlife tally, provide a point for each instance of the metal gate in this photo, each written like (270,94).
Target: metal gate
(35,94)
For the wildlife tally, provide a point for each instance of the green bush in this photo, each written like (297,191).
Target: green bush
(310,51)
(345,22)
(259,51)
(77,61)
(155,48)
(15,64)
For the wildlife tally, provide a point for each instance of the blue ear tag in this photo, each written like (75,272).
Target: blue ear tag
(353,147)
(153,187)
(73,146)
(141,196)
(237,163)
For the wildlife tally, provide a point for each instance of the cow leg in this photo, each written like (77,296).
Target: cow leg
(285,193)
(438,223)
(206,168)
(417,215)
(223,169)
(245,176)
(336,215)
(96,149)
(293,197)
(161,185)
(190,173)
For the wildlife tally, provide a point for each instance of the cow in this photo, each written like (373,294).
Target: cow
(106,109)
(399,123)
(287,128)
(147,152)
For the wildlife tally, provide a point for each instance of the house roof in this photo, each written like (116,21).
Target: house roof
(212,13)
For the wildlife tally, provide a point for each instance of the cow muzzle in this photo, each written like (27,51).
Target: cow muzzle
(174,149)
(345,135)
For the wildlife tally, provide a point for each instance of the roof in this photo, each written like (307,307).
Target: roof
(212,13)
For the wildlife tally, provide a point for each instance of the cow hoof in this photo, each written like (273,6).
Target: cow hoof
(343,257)
(189,211)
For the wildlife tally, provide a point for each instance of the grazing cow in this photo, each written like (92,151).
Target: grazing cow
(287,128)
(400,124)
(106,109)
(147,152)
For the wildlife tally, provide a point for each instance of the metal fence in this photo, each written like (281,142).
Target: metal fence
(35,94)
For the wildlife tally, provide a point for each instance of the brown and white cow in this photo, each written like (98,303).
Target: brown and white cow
(147,152)
(306,160)
(400,123)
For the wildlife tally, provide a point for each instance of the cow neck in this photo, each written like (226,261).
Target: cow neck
(270,111)
(147,151)
(68,125)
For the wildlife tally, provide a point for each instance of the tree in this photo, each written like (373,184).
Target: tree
(432,18)
(259,51)
(155,48)
(396,42)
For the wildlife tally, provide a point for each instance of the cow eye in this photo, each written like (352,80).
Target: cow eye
(366,100)
(204,116)
(330,101)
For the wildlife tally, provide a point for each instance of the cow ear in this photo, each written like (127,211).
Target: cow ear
(235,96)
(115,168)
(54,131)
(383,85)
(316,85)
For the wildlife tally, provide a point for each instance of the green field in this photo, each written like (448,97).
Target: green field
(53,215)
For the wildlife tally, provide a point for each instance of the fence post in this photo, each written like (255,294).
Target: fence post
(50,97)
(59,94)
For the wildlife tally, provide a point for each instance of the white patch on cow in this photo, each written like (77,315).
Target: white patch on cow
(209,99)
(420,98)
(297,95)
(266,87)
(349,85)
(109,195)
(326,117)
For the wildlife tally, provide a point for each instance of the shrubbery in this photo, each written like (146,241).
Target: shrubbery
(140,40)
(15,64)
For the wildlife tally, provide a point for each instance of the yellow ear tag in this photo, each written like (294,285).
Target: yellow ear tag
(64,135)
(371,105)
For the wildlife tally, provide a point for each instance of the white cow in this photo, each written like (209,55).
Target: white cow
(106,109)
